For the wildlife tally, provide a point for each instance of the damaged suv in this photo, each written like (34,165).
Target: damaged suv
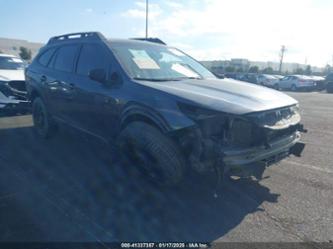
(164,109)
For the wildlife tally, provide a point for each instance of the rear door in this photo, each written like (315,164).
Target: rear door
(60,88)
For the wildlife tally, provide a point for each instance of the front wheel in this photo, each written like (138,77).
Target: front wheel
(293,88)
(44,126)
(156,155)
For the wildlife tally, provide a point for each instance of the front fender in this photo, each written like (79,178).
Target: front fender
(166,119)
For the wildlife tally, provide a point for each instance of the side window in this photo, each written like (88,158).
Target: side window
(65,57)
(46,56)
(91,57)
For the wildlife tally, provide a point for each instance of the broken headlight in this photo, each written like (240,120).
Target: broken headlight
(277,119)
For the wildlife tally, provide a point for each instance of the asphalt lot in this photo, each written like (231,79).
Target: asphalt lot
(73,188)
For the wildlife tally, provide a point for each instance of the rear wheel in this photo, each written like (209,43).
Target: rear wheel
(156,155)
(43,123)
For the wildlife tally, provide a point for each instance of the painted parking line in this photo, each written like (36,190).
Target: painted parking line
(310,167)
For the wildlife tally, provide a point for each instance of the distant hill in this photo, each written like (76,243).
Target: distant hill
(12,46)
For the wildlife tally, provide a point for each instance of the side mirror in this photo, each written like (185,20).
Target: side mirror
(98,75)
(115,78)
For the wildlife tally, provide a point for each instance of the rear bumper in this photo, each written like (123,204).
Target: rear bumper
(236,158)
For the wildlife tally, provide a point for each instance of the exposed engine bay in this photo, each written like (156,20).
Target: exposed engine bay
(236,141)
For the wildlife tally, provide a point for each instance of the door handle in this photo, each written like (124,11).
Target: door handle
(71,85)
(43,78)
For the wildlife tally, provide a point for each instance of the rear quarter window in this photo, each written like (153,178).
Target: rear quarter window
(45,57)
(65,57)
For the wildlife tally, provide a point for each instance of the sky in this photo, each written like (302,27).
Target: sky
(205,29)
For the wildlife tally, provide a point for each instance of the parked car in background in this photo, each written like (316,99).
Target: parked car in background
(320,82)
(268,80)
(329,83)
(278,76)
(235,76)
(166,111)
(250,77)
(296,82)
(10,105)
(13,93)
(12,80)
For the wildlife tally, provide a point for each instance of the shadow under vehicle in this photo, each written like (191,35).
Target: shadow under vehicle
(166,112)
(66,183)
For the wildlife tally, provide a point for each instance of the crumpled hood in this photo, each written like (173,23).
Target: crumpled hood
(230,96)
(11,75)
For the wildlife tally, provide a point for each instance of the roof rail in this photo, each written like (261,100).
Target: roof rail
(80,35)
(150,39)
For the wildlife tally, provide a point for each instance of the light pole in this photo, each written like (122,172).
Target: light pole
(146,18)
(283,49)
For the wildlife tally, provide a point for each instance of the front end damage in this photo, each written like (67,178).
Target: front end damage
(227,143)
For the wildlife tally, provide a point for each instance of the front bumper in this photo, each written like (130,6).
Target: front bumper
(15,107)
(235,158)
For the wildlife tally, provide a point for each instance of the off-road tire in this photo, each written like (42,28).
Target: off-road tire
(44,125)
(168,164)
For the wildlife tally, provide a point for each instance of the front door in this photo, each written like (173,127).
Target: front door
(93,104)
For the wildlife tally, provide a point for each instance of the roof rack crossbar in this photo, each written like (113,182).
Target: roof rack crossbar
(80,35)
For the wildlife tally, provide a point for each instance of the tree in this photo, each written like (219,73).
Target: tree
(240,70)
(268,70)
(327,69)
(254,69)
(230,69)
(299,71)
(308,70)
(25,53)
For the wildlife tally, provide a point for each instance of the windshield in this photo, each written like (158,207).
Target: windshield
(154,62)
(10,63)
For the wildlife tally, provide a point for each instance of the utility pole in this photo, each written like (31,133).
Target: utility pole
(283,49)
(146,18)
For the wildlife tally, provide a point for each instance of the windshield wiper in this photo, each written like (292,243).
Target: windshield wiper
(190,78)
(168,79)
(157,80)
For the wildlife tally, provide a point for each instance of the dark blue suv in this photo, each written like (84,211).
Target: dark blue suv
(165,110)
